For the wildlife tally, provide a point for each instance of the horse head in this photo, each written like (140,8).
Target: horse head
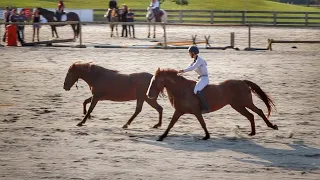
(160,81)
(150,13)
(74,73)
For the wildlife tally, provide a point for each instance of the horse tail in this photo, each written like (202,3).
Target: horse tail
(261,94)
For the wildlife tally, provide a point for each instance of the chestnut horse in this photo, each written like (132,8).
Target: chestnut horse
(106,84)
(237,93)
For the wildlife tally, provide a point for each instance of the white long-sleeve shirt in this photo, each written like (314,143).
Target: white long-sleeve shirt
(155,4)
(199,66)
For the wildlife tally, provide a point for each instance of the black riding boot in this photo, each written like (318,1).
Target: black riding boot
(204,105)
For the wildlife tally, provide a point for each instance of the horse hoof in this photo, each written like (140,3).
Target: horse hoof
(252,134)
(156,126)
(206,138)
(275,127)
(80,124)
(160,138)
(125,126)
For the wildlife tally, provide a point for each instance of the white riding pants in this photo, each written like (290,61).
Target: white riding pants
(203,82)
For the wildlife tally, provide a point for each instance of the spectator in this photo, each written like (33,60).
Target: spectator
(15,18)
(124,19)
(36,24)
(130,18)
(6,16)
(22,18)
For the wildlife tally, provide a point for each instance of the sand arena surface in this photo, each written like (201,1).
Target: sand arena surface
(39,138)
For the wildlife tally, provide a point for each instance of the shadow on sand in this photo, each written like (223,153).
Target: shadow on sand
(297,157)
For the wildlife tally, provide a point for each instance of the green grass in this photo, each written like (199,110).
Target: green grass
(266,5)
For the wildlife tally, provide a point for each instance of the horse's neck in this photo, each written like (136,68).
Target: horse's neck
(171,86)
(86,76)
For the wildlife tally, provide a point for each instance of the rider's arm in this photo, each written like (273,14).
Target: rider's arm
(193,66)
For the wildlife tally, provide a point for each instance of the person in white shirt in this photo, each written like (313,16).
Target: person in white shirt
(155,6)
(199,65)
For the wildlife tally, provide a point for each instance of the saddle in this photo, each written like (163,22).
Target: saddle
(59,15)
(158,15)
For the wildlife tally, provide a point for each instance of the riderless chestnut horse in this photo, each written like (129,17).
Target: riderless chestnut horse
(237,93)
(106,84)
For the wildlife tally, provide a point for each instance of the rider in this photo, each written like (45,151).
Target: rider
(199,65)
(60,10)
(155,6)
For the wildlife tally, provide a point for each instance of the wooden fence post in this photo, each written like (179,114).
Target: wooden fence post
(180,16)
(243,17)
(306,15)
(165,35)
(211,16)
(274,18)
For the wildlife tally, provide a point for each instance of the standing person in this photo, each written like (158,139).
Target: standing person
(130,18)
(22,18)
(36,24)
(6,16)
(16,18)
(124,19)
(199,65)
(60,10)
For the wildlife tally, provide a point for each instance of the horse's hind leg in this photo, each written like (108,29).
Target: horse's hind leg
(55,30)
(261,114)
(117,30)
(243,111)
(138,110)
(153,103)
(154,31)
(93,104)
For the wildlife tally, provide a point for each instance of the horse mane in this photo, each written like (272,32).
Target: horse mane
(90,67)
(171,73)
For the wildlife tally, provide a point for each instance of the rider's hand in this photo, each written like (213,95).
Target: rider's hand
(180,71)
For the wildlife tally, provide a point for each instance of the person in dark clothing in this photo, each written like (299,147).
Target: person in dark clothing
(130,18)
(124,19)
(6,16)
(22,18)
(36,24)
(16,18)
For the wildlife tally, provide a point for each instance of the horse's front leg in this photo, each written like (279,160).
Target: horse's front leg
(93,104)
(55,30)
(52,31)
(175,117)
(85,106)
(149,31)
(154,31)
